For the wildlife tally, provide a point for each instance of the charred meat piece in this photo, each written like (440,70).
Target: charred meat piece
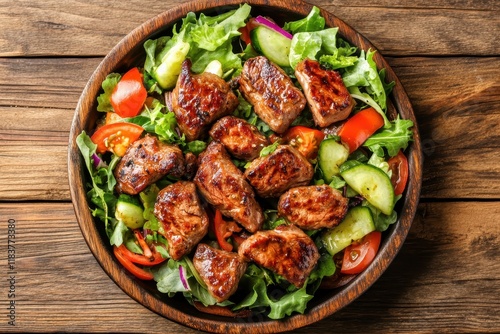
(275,98)
(327,96)
(223,185)
(191,165)
(184,220)
(146,161)
(220,270)
(286,250)
(279,171)
(241,139)
(200,99)
(313,207)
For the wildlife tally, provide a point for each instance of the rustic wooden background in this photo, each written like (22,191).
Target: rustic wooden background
(446,277)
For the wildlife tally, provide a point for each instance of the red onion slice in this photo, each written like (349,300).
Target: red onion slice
(98,162)
(182,276)
(271,25)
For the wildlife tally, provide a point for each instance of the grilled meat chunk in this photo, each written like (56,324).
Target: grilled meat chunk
(223,185)
(275,98)
(327,96)
(220,270)
(146,161)
(200,99)
(286,250)
(191,165)
(183,219)
(240,138)
(279,171)
(313,207)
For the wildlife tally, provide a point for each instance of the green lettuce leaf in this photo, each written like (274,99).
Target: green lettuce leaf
(312,45)
(312,22)
(391,139)
(108,85)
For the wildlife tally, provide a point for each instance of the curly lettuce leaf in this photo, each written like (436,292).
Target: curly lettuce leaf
(201,40)
(391,139)
(312,45)
(108,85)
(312,22)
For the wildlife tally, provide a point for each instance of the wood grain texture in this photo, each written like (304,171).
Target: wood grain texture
(92,28)
(456,102)
(447,267)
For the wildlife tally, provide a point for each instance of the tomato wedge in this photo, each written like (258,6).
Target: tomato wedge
(116,137)
(398,164)
(131,267)
(359,255)
(359,127)
(223,230)
(304,139)
(129,95)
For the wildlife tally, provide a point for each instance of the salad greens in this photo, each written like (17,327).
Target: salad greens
(203,40)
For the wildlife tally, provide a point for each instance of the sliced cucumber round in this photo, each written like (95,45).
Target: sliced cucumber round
(357,223)
(373,184)
(129,211)
(331,155)
(273,45)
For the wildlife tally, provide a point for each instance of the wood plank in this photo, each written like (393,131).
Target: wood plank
(458,120)
(81,28)
(457,106)
(60,286)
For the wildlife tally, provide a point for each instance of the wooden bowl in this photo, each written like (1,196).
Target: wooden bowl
(129,52)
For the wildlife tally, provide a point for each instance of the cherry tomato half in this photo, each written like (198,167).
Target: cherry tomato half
(360,254)
(129,95)
(359,127)
(304,139)
(398,164)
(116,137)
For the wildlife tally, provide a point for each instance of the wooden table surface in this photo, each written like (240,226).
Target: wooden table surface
(446,278)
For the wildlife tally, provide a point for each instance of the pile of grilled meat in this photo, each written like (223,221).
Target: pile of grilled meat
(203,105)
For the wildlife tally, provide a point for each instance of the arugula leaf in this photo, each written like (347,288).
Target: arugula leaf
(312,22)
(99,194)
(393,138)
(108,85)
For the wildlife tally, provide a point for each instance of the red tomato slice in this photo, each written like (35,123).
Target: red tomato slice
(132,268)
(359,127)
(129,95)
(304,139)
(245,31)
(116,137)
(398,164)
(360,254)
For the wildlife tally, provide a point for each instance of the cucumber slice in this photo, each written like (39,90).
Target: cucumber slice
(357,223)
(273,45)
(129,211)
(373,184)
(331,155)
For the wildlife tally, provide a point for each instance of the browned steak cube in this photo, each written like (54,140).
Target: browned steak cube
(279,171)
(240,138)
(220,270)
(146,161)
(272,93)
(313,207)
(327,96)
(200,99)
(286,250)
(184,220)
(223,185)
